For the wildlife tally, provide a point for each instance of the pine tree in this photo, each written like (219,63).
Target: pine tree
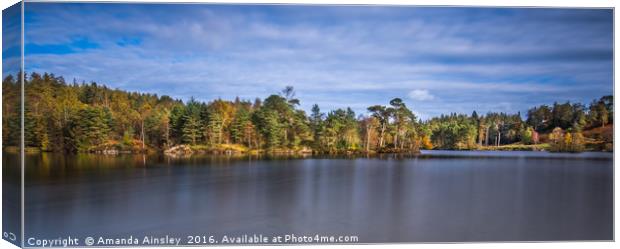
(90,128)
(191,130)
(215,126)
(239,130)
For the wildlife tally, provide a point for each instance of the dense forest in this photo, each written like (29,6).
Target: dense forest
(90,117)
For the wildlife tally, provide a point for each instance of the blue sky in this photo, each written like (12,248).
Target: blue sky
(438,60)
(11,30)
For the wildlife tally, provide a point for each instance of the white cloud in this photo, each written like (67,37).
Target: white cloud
(421,94)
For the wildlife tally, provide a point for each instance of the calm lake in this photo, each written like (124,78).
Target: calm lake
(439,196)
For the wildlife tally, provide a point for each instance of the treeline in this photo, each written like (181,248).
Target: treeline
(81,117)
(458,131)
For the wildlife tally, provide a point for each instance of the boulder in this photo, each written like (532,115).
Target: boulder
(179,150)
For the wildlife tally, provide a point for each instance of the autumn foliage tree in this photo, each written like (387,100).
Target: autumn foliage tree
(83,117)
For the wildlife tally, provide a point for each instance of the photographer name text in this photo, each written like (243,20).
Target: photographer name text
(168,240)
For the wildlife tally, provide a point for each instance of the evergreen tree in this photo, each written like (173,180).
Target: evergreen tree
(241,127)
(89,129)
(191,130)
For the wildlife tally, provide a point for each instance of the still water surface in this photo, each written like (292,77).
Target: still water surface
(440,196)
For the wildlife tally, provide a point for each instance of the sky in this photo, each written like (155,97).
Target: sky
(438,60)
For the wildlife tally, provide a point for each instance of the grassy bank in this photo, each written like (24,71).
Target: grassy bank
(516,147)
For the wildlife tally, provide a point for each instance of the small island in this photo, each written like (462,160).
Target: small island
(92,118)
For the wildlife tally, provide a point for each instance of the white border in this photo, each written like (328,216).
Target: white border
(489,3)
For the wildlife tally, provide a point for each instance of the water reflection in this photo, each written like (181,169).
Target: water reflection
(387,199)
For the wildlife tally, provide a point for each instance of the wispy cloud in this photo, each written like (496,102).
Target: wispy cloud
(421,94)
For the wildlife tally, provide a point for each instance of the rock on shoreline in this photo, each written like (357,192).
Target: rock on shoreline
(179,150)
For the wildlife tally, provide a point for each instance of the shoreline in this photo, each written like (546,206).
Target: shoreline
(292,152)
